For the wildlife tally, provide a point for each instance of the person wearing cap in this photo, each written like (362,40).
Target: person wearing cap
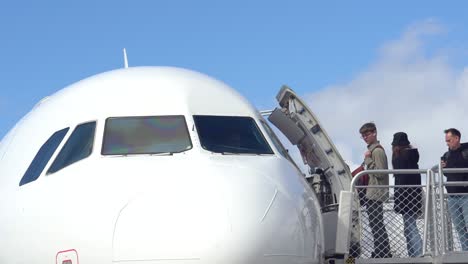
(408,200)
(457,157)
(376,159)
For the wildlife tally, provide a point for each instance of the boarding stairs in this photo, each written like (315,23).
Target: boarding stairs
(436,227)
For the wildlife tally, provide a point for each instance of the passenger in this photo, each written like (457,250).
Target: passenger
(408,200)
(376,159)
(457,157)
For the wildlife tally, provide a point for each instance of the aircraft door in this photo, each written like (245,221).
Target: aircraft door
(329,174)
(302,128)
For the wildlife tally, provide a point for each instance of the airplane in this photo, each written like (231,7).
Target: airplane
(164,165)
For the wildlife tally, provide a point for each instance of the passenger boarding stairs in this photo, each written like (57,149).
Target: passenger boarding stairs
(441,242)
(348,236)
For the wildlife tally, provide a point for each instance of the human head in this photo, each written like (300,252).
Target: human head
(452,138)
(400,139)
(400,142)
(368,133)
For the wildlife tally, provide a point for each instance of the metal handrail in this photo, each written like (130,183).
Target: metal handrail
(443,184)
(442,209)
(439,243)
(426,211)
(407,171)
(434,213)
(427,172)
(454,170)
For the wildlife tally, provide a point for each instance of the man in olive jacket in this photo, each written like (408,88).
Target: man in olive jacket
(376,159)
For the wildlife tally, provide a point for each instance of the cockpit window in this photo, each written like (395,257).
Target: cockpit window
(275,140)
(43,156)
(145,135)
(78,146)
(231,134)
(278,143)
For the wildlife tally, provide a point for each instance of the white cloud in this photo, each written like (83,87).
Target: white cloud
(405,89)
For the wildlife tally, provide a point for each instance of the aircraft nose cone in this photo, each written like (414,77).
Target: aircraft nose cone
(234,218)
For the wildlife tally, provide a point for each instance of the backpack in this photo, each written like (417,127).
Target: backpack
(363,180)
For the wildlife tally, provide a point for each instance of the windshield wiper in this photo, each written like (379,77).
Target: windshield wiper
(243,153)
(228,153)
(143,154)
(162,154)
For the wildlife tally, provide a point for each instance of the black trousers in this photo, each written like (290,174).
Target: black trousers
(381,244)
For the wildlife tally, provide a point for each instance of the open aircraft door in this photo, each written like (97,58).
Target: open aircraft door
(328,173)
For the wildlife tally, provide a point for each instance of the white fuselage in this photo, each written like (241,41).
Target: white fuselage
(196,206)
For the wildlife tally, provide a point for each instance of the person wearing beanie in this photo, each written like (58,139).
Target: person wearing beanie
(408,200)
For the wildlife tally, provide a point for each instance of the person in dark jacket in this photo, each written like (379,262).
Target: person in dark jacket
(408,200)
(457,157)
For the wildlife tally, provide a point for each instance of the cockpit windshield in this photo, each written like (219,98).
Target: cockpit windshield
(231,135)
(145,135)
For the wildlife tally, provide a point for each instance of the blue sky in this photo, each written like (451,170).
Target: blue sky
(254,46)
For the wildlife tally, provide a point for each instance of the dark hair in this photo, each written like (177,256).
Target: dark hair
(367,127)
(453,131)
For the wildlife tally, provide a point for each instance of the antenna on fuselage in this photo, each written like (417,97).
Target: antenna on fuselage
(125,58)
